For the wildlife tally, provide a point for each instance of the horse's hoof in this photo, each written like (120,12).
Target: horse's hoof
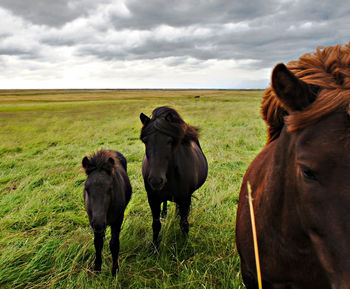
(185,235)
(185,228)
(155,247)
(115,271)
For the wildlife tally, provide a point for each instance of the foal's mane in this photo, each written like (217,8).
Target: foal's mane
(167,121)
(327,68)
(101,161)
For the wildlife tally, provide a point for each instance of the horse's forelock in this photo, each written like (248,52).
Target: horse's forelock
(167,112)
(167,121)
(172,129)
(329,69)
(100,160)
(327,102)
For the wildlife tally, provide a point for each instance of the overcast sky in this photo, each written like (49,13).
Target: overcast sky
(160,43)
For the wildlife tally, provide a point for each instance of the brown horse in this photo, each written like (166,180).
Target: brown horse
(301,179)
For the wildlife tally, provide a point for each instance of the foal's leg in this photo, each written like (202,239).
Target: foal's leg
(98,242)
(156,225)
(184,209)
(114,245)
(165,209)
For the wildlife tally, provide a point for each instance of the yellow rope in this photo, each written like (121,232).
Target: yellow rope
(256,250)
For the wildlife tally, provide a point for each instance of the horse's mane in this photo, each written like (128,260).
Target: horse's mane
(101,161)
(327,68)
(166,120)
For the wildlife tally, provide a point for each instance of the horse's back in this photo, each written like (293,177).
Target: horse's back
(127,185)
(202,164)
(192,165)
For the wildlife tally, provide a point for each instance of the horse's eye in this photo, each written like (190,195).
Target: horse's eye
(308,173)
(144,140)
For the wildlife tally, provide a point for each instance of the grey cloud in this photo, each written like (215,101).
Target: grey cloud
(151,48)
(12,51)
(310,10)
(56,40)
(265,44)
(149,14)
(185,33)
(4,35)
(102,52)
(22,51)
(51,13)
(180,60)
(276,31)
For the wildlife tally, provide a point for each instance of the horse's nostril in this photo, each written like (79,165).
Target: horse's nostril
(156,182)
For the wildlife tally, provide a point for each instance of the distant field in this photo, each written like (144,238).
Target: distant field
(45,237)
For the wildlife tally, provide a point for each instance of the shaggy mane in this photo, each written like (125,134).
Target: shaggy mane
(327,68)
(99,161)
(166,120)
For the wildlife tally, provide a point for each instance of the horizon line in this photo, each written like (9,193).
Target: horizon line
(132,89)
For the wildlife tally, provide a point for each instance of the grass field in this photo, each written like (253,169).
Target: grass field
(45,237)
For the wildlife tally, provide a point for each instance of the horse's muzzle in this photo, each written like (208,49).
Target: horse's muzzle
(156,183)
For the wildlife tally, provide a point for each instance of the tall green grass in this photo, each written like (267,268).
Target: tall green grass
(45,237)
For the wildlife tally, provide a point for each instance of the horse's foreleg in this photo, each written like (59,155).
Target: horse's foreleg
(114,246)
(98,242)
(165,209)
(156,225)
(184,209)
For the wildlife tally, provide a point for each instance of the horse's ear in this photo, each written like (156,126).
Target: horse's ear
(85,163)
(144,118)
(111,161)
(108,167)
(294,93)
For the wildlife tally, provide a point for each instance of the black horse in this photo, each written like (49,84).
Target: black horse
(107,192)
(174,165)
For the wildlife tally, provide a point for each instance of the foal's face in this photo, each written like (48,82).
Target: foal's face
(159,149)
(97,196)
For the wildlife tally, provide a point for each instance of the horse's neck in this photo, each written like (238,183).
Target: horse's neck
(189,158)
(180,155)
(185,151)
